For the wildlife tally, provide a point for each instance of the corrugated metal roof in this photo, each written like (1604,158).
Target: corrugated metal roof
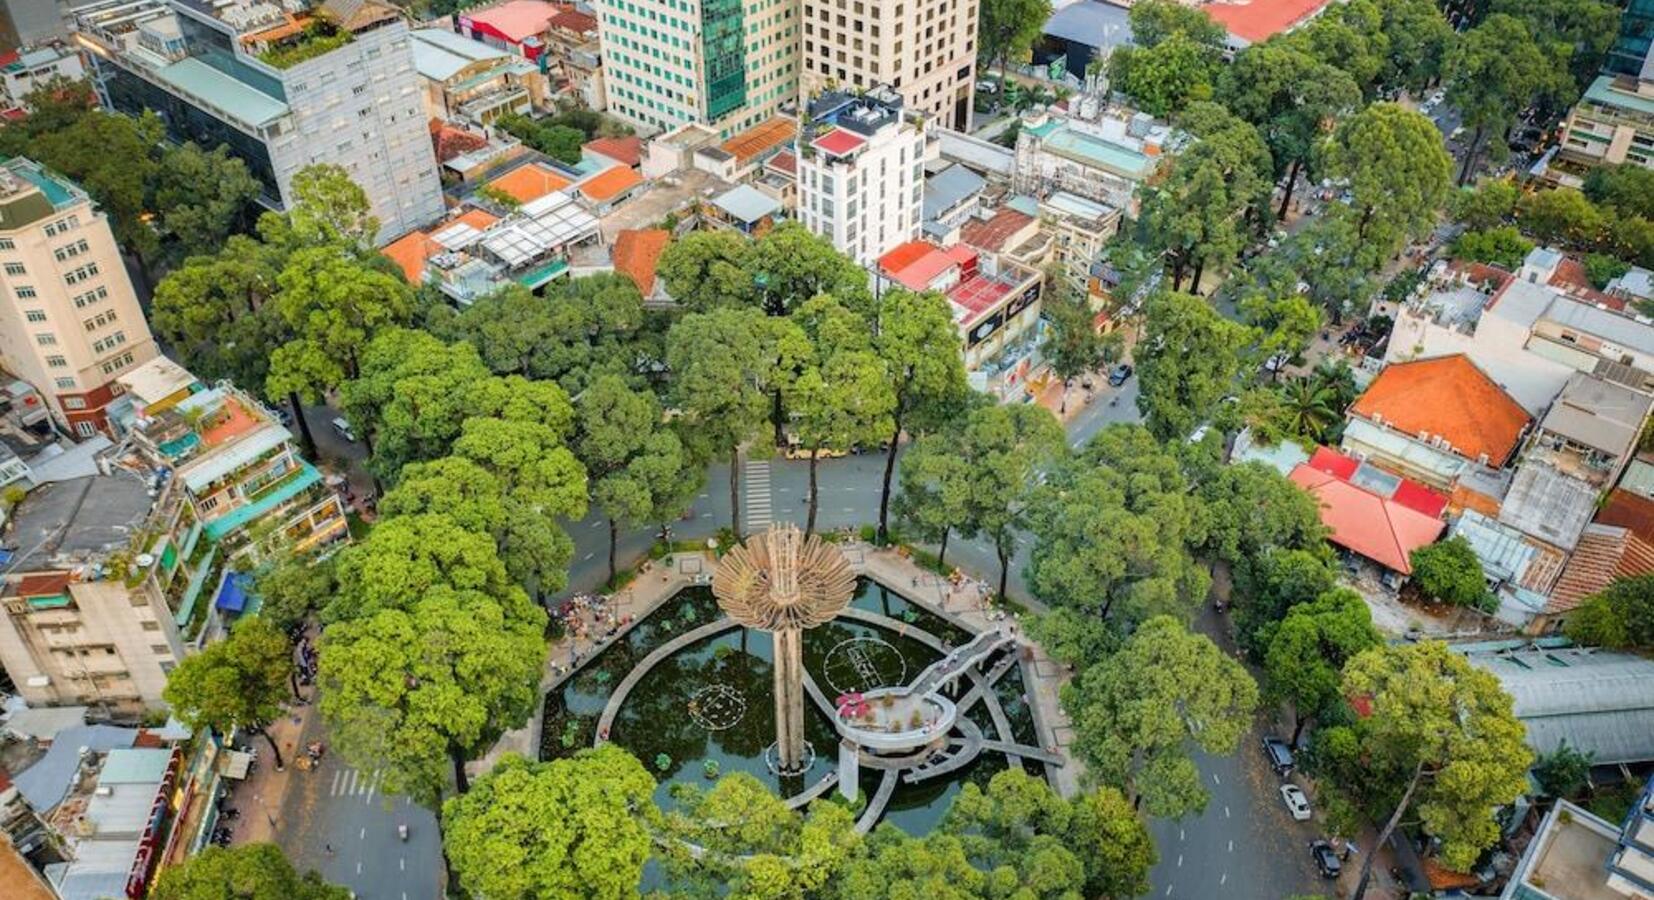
(134,766)
(1548,504)
(1599,702)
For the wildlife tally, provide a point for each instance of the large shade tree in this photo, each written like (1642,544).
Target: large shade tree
(1440,733)
(915,337)
(239,682)
(1138,713)
(568,829)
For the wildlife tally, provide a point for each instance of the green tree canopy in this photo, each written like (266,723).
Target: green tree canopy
(1502,246)
(792,265)
(245,872)
(1114,528)
(637,468)
(919,344)
(569,829)
(704,270)
(1620,617)
(406,557)
(331,209)
(1010,28)
(1490,204)
(1268,587)
(936,490)
(333,304)
(239,682)
(1398,171)
(1451,572)
(1307,651)
(1561,217)
(1253,510)
(1188,359)
(1440,733)
(415,689)
(1164,78)
(292,587)
(1138,713)
(1494,71)
(722,374)
(1008,448)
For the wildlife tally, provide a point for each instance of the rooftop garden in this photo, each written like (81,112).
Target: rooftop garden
(318,37)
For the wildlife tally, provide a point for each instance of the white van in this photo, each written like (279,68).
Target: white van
(342,429)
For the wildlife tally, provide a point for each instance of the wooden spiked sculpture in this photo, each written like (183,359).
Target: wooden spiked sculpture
(783,582)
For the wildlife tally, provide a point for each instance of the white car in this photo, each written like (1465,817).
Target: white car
(1296,802)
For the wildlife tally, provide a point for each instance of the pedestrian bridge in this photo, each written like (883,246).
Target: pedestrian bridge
(897,719)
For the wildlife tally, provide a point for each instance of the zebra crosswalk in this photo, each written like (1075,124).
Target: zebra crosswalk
(756,513)
(349,782)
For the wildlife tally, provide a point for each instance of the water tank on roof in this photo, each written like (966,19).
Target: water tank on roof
(1140,125)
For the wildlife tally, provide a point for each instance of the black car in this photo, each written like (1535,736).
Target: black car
(1325,858)
(1119,374)
(1279,755)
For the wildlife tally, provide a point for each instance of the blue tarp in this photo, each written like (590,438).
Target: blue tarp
(232,593)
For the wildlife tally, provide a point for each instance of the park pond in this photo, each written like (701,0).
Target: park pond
(707,709)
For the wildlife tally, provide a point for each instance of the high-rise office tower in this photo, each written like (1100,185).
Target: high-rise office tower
(925,49)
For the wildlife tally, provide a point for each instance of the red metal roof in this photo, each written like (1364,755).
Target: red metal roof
(48,584)
(977,296)
(838,142)
(513,20)
(1407,492)
(1361,521)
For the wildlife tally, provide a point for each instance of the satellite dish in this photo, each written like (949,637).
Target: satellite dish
(145,560)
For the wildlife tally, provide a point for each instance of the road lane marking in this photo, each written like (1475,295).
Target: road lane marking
(350,787)
(334,791)
(1226,812)
(402,864)
(1180,860)
(1223,880)
(364,835)
(587,557)
(1231,846)
(596,525)
(373,785)
(1168,890)
(1180,835)
(1215,778)
(358,867)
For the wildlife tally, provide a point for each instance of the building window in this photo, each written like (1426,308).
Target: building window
(26,293)
(35,315)
(13,268)
(65,384)
(85,429)
(45,340)
(151,626)
(74,403)
(7,244)
(57,362)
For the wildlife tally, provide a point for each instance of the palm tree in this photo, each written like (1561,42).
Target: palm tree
(1310,407)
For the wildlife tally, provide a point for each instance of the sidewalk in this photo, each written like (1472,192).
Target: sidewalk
(261,798)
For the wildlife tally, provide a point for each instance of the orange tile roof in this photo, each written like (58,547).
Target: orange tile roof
(412,250)
(232,421)
(530,182)
(1449,397)
(409,252)
(479,219)
(635,253)
(1382,530)
(610,183)
(1618,544)
(760,139)
(626,150)
(1259,20)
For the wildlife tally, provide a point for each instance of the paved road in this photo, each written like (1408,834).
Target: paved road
(339,807)
(1244,845)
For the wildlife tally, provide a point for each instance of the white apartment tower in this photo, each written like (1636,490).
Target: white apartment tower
(725,63)
(70,323)
(282,85)
(861,173)
(926,49)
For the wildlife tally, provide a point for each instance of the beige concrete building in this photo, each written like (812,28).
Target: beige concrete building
(925,49)
(726,63)
(120,568)
(69,320)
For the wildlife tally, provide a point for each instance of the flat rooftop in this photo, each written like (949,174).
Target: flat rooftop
(81,519)
(1570,858)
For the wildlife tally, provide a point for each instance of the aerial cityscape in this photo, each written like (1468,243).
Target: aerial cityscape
(826,449)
